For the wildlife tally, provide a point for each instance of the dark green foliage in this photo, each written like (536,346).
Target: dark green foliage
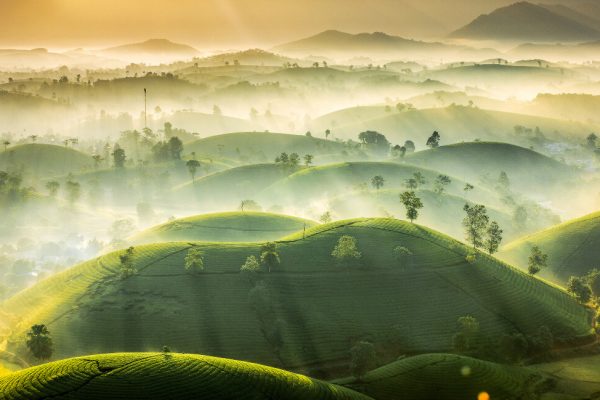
(346,250)
(440,184)
(537,260)
(39,342)
(434,140)
(269,257)
(362,359)
(175,147)
(475,224)
(580,289)
(194,261)
(119,157)
(493,237)
(412,204)
(374,140)
(192,166)
(467,333)
(377,182)
(126,266)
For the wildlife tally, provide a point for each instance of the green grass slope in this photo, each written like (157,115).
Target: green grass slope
(44,160)
(245,226)
(263,146)
(473,161)
(331,180)
(454,377)
(443,213)
(455,124)
(572,248)
(224,190)
(306,313)
(164,376)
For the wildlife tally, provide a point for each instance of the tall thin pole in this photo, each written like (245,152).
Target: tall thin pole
(145,111)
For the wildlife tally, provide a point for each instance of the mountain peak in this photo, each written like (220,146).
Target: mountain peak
(525,21)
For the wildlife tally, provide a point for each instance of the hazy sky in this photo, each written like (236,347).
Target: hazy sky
(230,23)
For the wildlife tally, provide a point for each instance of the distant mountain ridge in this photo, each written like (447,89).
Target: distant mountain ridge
(153,46)
(525,21)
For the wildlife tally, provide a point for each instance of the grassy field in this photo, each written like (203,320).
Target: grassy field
(247,226)
(446,377)
(443,213)
(455,123)
(44,160)
(164,376)
(572,248)
(332,180)
(306,313)
(224,190)
(263,146)
(472,161)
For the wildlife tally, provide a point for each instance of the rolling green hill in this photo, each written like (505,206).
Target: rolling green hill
(224,190)
(263,146)
(473,161)
(44,160)
(572,248)
(164,376)
(452,377)
(334,179)
(442,213)
(245,226)
(455,124)
(303,316)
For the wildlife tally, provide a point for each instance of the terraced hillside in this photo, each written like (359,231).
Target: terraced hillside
(572,248)
(164,376)
(332,180)
(263,146)
(443,213)
(44,160)
(245,226)
(472,161)
(224,190)
(306,313)
(455,123)
(451,377)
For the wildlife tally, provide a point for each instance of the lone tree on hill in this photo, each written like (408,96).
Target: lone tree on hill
(192,166)
(493,238)
(434,140)
(39,342)
(580,289)
(269,256)
(175,147)
(346,250)
(73,191)
(52,187)
(119,157)
(194,260)
(412,204)
(308,159)
(419,178)
(439,187)
(362,359)
(374,140)
(251,265)
(591,141)
(475,224)
(409,145)
(468,331)
(377,182)
(325,218)
(411,184)
(537,260)
(126,265)
(249,205)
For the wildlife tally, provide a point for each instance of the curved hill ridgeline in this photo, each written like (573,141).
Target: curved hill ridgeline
(451,377)
(264,146)
(248,226)
(333,179)
(307,312)
(476,160)
(224,190)
(443,213)
(164,376)
(44,160)
(455,124)
(572,248)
